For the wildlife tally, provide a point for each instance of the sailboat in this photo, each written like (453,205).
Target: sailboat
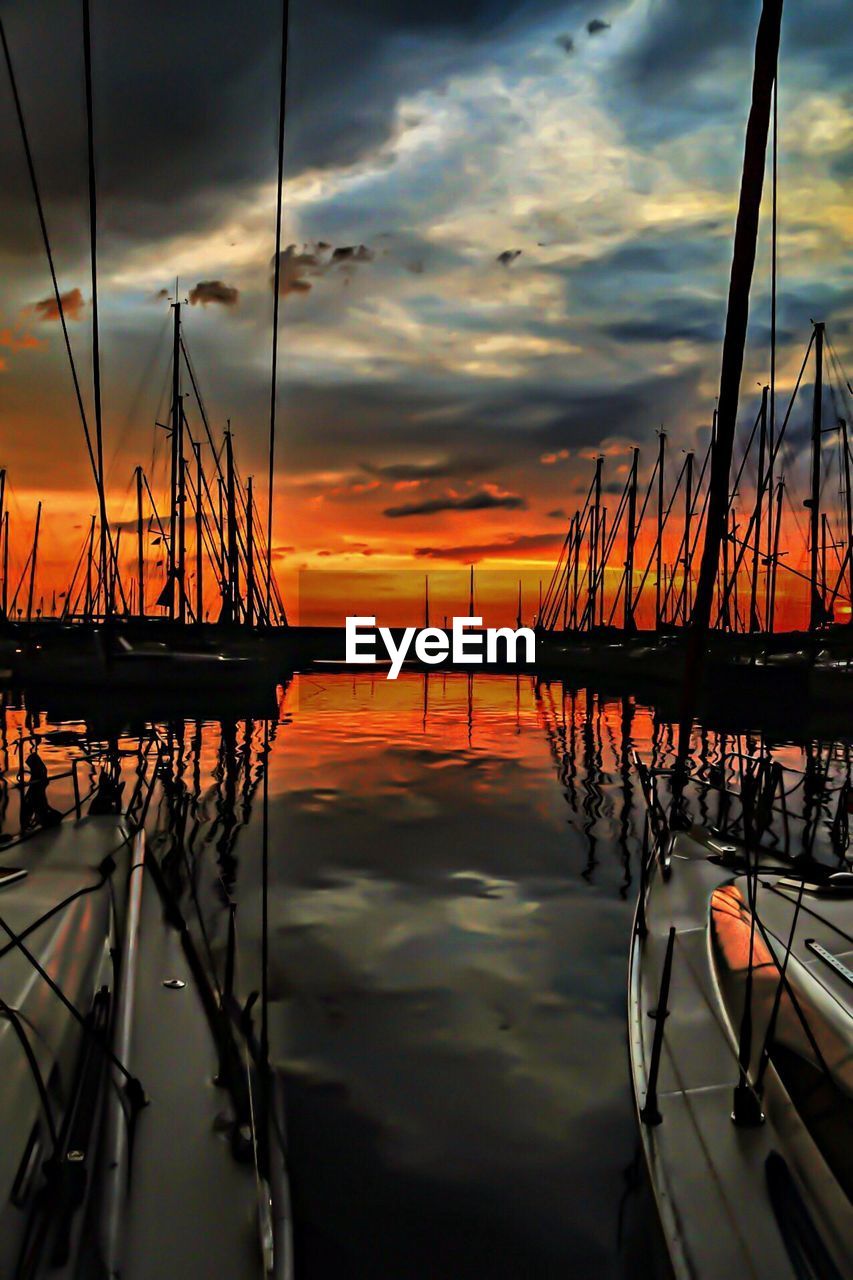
(120,1155)
(740,1000)
(740,984)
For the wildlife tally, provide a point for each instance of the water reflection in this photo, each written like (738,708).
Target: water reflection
(452,884)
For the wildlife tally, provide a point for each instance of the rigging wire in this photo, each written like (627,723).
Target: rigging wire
(285,23)
(106,560)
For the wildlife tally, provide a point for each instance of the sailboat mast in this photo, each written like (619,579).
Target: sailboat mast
(140,547)
(233,550)
(6,564)
(848,505)
(594,536)
(576,570)
(3,516)
(659,543)
(628,619)
(777,529)
(759,506)
(282,103)
(602,567)
(182,518)
(33,559)
(250,553)
(173,480)
(688,518)
(89,604)
(199,570)
(816,610)
(737,315)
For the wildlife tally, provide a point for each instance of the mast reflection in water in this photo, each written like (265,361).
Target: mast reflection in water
(453,875)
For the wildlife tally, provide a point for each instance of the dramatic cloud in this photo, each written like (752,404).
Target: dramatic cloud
(445,132)
(450,468)
(506,548)
(72,306)
(214,291)
(482,500)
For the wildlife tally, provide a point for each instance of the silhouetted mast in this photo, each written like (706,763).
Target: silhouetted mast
(250,554)
(754,624)
(96,350)
(140,547)
(282,103)
(232,603)
(628,619)
(743,264)
(2,525)
(682,605)
(6,564)
(182,517)
(659,543)
(175,440)
(33,559)
(774,565)
(848,508)
(817,613)
(199,568)
(594,543)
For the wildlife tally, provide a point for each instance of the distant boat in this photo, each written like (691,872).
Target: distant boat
(104,659)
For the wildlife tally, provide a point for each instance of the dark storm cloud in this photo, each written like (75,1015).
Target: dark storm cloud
(72,306)
(450,468)
(664,71)
(669,320)
(186,100)
(521,544)
(483,500)
(511,424)
(214,291)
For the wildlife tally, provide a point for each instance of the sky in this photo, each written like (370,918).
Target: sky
(508,233)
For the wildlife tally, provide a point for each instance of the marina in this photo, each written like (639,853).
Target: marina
(344,932)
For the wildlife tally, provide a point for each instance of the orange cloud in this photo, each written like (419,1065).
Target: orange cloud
(72,305)
(19,341)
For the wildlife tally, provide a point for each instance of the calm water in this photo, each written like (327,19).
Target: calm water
(450,899)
